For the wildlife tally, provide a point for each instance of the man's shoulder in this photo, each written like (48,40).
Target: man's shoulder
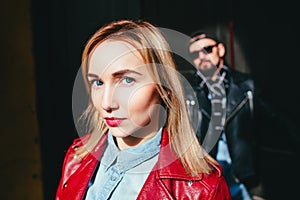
(239,76)
(244,80)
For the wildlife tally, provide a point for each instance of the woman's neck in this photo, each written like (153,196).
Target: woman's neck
(131,141)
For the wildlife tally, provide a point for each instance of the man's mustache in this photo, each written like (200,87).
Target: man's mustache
(205,60)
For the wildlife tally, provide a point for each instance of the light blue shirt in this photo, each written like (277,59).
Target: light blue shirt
(223,157)
(122,173)
(223,152)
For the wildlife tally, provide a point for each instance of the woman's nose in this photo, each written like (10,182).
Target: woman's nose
(109,99)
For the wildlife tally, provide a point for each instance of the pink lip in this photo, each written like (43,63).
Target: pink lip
(113,122)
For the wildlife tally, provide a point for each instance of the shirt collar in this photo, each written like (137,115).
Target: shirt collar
(131,157)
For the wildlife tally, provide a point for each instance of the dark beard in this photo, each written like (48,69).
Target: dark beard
(208,73)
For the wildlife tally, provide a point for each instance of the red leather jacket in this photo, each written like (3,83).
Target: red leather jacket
(169,182)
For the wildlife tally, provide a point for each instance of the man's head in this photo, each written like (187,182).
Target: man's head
(207,52)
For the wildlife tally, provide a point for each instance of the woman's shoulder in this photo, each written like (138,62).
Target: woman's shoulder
(214,176)
(205,186)
(79,141)
(213,184)
(75,145)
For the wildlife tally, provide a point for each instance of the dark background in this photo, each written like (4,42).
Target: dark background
(266,44)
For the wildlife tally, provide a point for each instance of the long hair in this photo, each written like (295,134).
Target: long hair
(150,42)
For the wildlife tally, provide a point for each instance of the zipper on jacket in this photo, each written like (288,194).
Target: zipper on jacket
(248,97)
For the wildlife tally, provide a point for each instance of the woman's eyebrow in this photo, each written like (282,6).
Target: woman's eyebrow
(125,71)
(92,75)
(117,73)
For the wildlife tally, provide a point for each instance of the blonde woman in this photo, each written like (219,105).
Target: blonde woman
(141,144)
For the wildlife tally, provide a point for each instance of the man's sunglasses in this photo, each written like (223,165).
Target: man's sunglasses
(205,50)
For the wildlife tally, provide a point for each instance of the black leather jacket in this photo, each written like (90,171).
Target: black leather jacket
(238,126)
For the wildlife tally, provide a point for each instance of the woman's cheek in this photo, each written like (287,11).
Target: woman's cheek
(96,99)
(143,106)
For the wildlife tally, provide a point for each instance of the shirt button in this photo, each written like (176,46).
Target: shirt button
(65,185)
(113,178)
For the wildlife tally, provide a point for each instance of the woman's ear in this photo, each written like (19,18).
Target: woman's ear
(221,50)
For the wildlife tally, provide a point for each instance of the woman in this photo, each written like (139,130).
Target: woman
(141,143)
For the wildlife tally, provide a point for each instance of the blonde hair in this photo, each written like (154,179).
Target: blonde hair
(153,47)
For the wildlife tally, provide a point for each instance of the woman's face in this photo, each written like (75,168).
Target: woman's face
(123,91)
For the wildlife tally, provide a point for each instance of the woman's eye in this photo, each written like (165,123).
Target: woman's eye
(127,80)
(96,83)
